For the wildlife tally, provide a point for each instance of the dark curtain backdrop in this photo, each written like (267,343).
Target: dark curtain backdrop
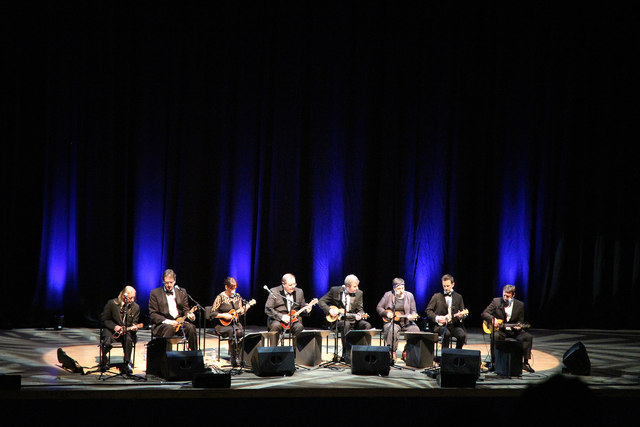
(493,142)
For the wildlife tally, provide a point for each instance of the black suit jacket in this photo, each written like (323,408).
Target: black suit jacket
(496,309)
(438,306)
(113,316)
(159,307)
(276,304)
(334,297)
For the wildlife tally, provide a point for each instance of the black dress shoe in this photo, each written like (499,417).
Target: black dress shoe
(527,367)
(126,369)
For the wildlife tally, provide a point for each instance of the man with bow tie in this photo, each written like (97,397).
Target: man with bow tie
(285,299)
(168,303)
(344,305)
(445,310)
(508,310)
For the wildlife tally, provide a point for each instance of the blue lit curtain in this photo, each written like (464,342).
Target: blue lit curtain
(321,140)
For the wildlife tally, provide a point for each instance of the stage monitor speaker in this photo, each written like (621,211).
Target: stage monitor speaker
(273,361)
(173,365)
(68,363)
(183,365)
(211,380)
(369,359)
(508,357)
(459,368)
(576,360)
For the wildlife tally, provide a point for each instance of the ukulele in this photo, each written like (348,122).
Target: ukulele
(237,313)
(124,330)
(461,313)
(488,328)
(293,316)
(180,320)
(397,316)
(342,314)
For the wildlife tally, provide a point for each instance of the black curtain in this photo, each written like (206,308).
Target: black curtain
(493,142)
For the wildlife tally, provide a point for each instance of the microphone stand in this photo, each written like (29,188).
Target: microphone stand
(123,315)
(291,338)
(294,304)
(201,321)
(239,343)
(244,328)
(274,320)
(124,312)
(493,343)
(336,359)
(393,337)
(234,355)
(393,352)
(392,325)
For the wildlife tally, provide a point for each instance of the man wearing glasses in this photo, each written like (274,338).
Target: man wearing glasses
(169,310)
(284,306)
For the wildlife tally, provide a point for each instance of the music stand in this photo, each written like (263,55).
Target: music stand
(492,364)
(392,325)
(240,343)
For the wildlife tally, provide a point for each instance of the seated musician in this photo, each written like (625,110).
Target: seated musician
(508,310)
(227,307)
(344,308)
(284,306)
(120,320)
(398,310)
(169,310)
(446,310)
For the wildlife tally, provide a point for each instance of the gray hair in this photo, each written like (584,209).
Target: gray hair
(350,279)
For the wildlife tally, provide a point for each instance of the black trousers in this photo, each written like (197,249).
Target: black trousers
(168,331)
(447,331)
(126,340)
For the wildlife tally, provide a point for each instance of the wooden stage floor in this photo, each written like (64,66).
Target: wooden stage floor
(31,354)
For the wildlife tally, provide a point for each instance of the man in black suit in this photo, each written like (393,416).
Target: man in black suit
(446,311)
(120,323)
(506,314)
(344,305)
(283,300)
(169,310)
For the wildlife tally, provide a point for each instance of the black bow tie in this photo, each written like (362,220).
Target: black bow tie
(168,292)
(447,295)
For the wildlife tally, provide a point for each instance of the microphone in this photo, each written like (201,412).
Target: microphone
(269,290)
